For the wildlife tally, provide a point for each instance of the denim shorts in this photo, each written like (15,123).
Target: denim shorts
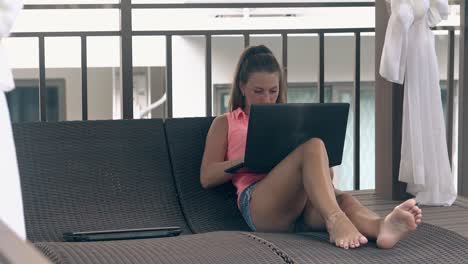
(244,205)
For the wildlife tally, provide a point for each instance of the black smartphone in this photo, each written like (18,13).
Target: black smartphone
(122,234)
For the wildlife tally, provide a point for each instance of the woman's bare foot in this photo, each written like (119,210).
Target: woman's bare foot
(402,220)
(343,233)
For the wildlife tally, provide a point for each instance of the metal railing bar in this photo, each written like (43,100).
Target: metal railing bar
(284,48)
(321,69)
(126,55)
(208,88)
(84,79)
(65,34)
(450,90)
(169,75)
(446,28)
(357,110)
(202,32)
(42,81)
(249,31)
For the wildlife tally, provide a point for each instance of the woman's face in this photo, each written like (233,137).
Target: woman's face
(261,88)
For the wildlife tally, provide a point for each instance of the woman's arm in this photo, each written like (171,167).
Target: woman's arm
(213,164)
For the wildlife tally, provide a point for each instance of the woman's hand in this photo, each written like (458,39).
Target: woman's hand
(237,161)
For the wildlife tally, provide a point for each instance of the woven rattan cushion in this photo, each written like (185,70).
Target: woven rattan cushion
(429,244)
(205,210)
(95,175)
(215,247)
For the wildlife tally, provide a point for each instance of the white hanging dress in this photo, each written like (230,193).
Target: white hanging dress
(11,205)
(409,57)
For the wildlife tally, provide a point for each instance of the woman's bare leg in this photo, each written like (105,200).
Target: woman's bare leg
(367,222)
(303,176)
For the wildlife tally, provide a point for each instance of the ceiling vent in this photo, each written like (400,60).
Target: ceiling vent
(254,15)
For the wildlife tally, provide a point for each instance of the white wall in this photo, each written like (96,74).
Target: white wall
(188,76)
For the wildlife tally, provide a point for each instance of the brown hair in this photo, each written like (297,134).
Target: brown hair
(255,59)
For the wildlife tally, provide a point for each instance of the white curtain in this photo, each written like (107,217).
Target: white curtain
(409,57)
(11,206)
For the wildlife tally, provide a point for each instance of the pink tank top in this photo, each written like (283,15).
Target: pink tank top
(238,122)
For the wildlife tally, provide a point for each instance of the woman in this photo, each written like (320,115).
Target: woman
(301,184)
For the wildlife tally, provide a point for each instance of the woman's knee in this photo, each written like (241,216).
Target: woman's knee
(314,146)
